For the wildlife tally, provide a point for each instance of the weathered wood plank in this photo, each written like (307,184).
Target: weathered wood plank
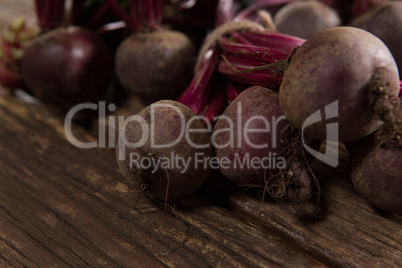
(69,206)
(350,232)
(64,205)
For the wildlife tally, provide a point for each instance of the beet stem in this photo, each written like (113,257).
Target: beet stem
(50,13)
(97,16)
(196,95)
(76,12)
(281,65)
(123,15)
(159,7)
(240,39)
(231,91)
(149,11)
(135,11)
(215,104)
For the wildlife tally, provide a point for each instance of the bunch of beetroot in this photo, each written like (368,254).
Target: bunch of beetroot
(271,82)
(342,84)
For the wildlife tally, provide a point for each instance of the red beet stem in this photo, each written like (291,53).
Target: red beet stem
(215,104)
(143,13)
(263,54)
(244,70)
(256,58)
(50,13)
(159,7)
(148,11)
(197,93)
(282,42)
(135,12)
(233,90)
(239,38)
(131,21)
(97,16)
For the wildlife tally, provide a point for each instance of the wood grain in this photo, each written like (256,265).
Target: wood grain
(61,205)
(64,205)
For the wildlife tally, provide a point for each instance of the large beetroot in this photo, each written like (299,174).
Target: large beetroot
(343,66)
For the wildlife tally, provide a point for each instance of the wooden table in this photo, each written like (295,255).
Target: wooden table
(65,206)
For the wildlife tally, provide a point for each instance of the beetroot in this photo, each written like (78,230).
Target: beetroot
(67,66)
(343,66)
(153,62)
(376,169)
(376,161)
(184,128)
(256,148)
(305,18)
(385,22)
(157,65)
(170,172)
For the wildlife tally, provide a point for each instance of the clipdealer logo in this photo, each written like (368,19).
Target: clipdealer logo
(331,112)
(108,137)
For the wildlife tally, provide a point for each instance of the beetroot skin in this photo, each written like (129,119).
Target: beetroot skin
(376,171)
(164,183)
(385,22)
(254,101)
(343,64)
(67,66)
(158,65)
(284,180)
(305,18)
